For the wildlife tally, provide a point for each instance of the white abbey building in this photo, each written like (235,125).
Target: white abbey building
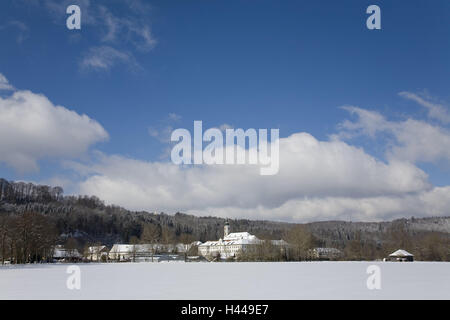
(232,244)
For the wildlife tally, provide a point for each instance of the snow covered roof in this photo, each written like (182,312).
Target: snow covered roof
(129,248)
(61,252)
(96,249)
(239,235)
(230,242)
(279,242)
(401,253)
(327,250)
(243,241)
(239,238)
(121,248)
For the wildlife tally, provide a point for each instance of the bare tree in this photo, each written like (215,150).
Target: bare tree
(434,247)
(150,235)
(71,247)
(134,241)
(301,241)
(167,236)
(3,237)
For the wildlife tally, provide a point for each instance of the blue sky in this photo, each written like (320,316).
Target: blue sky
(289,65)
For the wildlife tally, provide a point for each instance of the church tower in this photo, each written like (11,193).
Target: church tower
(226,229)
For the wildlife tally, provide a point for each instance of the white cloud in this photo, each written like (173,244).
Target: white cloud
(32,128)
(4,83)
(119,35)
(105,57)
(421,142)
(131,26)
(141,36)
(369,123)
(127,29)
(432,203)
(309,169)
(412,140)
(435,111)
(111,23)
(318,180)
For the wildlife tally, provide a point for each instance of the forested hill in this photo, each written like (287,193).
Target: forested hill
(89,220)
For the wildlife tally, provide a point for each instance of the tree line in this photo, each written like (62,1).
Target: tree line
(33,218)
(426,246)
(26,238)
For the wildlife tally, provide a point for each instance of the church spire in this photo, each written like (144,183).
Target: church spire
(226,229)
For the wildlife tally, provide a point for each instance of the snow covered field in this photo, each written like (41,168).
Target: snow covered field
(303,280)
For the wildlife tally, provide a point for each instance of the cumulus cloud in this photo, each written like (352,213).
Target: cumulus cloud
(421,142)
(32,128)
(432,203)
(368,123)
(309,169)
(318,180)
(412,140)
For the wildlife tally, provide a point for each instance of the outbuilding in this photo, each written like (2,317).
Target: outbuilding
(401,255)
(97,253)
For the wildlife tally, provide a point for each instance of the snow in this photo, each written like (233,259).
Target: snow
(288,280)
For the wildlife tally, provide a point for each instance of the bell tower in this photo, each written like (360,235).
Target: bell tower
(226,229)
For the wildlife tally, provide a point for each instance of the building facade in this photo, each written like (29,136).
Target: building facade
(97,253)
(60,253)
(147,252)
(232,244)
(325,254)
